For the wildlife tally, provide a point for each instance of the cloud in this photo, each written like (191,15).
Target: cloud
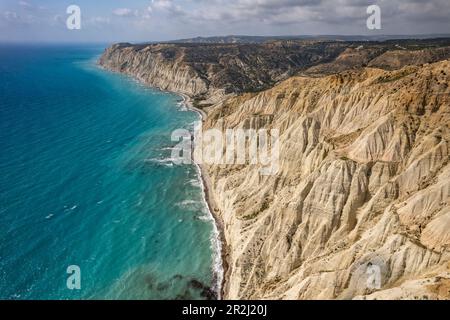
(99,20)
(25,4)
(163,4)
(28,6)
(167,7)
(125,12)
(10,16)
(171,19)
(347,16)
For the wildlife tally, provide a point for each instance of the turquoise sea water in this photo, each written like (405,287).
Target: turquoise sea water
(85,180)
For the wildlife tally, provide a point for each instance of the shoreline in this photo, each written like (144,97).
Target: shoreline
(221,247)
(211,205)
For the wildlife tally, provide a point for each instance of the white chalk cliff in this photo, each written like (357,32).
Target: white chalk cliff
(363,182)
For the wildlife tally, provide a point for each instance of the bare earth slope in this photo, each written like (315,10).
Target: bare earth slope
(208,72)
(214,70)
(364,175)
(364,179)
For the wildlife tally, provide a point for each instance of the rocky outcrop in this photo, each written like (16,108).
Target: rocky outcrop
(363,181)
(159,65)
(206,71)
(396,59)
(388,57)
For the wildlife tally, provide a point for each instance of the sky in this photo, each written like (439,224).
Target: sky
(109,21)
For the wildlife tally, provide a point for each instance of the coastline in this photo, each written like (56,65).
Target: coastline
(212,207)
(221,249)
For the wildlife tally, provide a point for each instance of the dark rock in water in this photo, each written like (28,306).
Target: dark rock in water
(209,294)
(150,281)
(162,286)
(186,295)
(206,291)
(177,277)
(196,284)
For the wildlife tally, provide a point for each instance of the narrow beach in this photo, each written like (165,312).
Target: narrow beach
(212,207)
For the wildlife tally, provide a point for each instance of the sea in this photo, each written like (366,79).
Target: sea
(91,205)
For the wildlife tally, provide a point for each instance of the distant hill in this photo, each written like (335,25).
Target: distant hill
(205,70)
(262,39)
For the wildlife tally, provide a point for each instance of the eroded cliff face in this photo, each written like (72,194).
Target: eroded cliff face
(211,71)
(157,66)
(364,181)
(364,175)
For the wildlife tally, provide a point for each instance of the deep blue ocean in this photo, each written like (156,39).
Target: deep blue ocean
(86,180)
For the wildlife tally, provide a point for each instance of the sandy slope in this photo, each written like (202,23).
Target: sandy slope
(364,179)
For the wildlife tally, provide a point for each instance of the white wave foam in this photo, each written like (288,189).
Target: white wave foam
(168,162)
(189,204)
(66,208)
(182,106)
(216,244)
(195,183)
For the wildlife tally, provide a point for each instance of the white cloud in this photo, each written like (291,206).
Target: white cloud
(171,19)
(346,16)
(25,4)
(10,15)
(96,21)
(166,6)
(125,12)
(163,4)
